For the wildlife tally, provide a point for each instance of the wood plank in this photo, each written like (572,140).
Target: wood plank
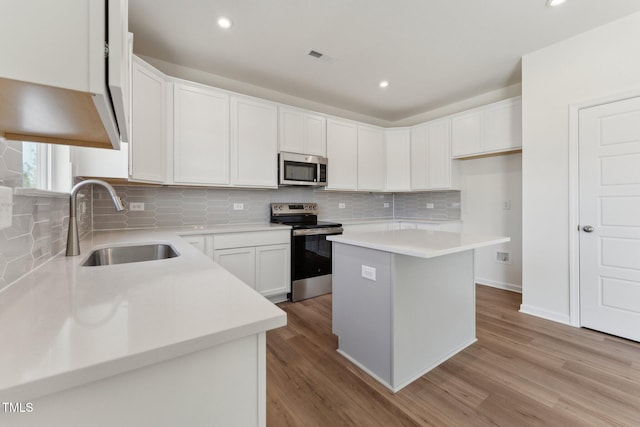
(522,371)
(39,113)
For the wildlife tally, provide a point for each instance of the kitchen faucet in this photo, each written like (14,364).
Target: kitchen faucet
(73,240)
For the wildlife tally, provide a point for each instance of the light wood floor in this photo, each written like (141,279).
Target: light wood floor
(522,371)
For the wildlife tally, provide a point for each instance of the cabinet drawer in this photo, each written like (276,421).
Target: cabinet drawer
(259,238)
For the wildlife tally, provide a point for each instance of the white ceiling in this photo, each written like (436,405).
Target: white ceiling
(433,52)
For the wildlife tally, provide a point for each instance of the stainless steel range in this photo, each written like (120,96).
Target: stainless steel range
(310,249)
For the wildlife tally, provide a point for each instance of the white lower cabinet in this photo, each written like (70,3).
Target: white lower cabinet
(272,269)
(241,262)
(262,260)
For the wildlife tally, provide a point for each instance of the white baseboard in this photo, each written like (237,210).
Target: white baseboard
(546,314)
(499,285)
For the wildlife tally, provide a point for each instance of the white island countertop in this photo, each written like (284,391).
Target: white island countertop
(418,243)
(64,325)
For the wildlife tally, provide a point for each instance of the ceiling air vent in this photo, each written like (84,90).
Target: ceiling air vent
(321,56)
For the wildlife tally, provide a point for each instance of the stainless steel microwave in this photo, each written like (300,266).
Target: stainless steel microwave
(301,169)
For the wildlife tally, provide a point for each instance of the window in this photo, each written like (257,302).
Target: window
(46,167)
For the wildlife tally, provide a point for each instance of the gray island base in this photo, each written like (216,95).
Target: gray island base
(404,300)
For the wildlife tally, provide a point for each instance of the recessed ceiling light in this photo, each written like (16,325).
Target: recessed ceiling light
(224,22)
(553,3)
(384,84)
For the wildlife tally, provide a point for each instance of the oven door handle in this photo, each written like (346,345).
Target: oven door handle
(316,231)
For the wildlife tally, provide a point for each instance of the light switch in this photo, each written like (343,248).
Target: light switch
(341,206)
(6,207)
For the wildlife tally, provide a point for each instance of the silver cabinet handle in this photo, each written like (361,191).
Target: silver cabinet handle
(587,229)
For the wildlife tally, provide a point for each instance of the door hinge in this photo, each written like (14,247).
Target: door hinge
(106,50)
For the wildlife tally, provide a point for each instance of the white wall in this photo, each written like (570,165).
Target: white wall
(602,62)
(487,183)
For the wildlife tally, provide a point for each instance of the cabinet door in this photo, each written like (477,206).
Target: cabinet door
(371,159)
(291,131)
(315,135)
(342,152)
(419,150)
(241,262)
(455,227)
(148,146)
(439,155)
(195,241)
(273,269)
(201,135)
(254,143)
(503,126)
(302,132)
(466,134)
(398,148)
(100,163)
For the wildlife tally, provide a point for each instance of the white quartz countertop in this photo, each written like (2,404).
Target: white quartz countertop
(64,325)
(418,243)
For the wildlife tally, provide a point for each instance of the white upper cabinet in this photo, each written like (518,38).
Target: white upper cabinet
(503,125)
(466,133)
(431,156)
(489,129)
(398,148)
(419,150)
(439,155)
(254,143)
(55,84)
(302,132)
(371,159)
(100,163)
(201,146)
(148,147)
(342,154)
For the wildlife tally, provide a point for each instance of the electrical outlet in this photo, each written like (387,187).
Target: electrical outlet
(136,206)
(83,207)
(369,272)
(430,206)
(386,205)
(506,205)
(503,257)
(341,205)
(238,206)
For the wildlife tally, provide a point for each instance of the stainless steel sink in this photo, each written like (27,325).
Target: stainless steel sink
(127,254)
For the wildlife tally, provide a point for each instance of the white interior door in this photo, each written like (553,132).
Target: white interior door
(610,205)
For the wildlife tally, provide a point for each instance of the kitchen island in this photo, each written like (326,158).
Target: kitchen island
(404,300)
